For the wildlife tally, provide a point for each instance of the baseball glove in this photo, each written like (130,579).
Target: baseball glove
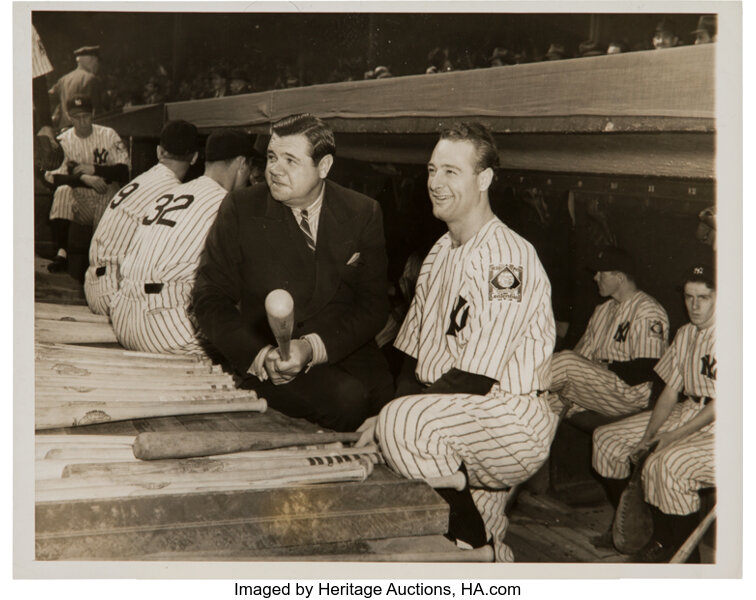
(633,525)
(46,156)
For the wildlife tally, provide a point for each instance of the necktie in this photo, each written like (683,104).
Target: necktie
(304,224)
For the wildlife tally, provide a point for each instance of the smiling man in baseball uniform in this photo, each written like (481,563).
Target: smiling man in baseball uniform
(683,461)
(152,310)
(95,162)
(176,152)
(611,368)
(478,339)
(322,243)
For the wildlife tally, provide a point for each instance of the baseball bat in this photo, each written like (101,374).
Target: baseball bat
(48,491)
(695,538)
(279,306)
(152,445)
(67,312)
(212,465)
(49,415)
(73,332)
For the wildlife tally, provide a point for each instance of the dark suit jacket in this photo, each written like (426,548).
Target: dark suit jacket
(256,246)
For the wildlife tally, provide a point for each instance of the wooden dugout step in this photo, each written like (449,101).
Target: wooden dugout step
(384,506)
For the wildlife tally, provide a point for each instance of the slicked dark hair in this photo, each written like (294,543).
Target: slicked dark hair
(314,129)
(479,136)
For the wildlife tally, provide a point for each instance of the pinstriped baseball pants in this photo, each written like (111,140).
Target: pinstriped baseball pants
(100,291)
(590,386)
(672,476)
(158,322)
(81,205)
(501,438)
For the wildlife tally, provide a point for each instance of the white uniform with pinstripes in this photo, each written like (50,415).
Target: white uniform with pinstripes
(672,476)
(166,249)
(617,331)
(83,204)
(494,296)
(113,235)
(40,63)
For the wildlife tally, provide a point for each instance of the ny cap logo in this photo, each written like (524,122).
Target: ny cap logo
(698,270)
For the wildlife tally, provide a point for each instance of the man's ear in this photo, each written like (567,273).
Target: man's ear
(325,165)
(485,177)
(160,151)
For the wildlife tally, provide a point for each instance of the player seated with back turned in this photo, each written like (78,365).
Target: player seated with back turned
(322,243)
(683,460)
(152,310)
(611,368)
(95,161)
(478,339)
(110,243)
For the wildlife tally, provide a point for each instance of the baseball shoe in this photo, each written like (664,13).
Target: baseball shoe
(653,552)
(58,265)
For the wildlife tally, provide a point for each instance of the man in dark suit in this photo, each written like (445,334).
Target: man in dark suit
(322,243)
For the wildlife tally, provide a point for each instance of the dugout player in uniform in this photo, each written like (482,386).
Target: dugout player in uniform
(322,243)
(683,461)
(95,163)
(478,339)
(611,368)
(152,311)
(176,152)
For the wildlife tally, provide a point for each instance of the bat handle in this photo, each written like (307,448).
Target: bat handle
(284,349)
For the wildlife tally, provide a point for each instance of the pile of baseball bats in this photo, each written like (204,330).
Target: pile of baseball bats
(77,467)
(81,385)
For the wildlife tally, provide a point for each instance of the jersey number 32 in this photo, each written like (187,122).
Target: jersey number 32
(166,204)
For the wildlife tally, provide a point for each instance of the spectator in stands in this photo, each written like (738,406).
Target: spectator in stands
(556,52)
(502,57)
(239,83)
(616,47)
(590,48)
(439,61)
(706,31)
(218,83)
(665,35)
(382,72)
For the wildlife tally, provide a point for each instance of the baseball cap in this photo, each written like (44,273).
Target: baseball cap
(87,51)
(702,271)
(610,258)
(229,143)
(79,104)
(179,137)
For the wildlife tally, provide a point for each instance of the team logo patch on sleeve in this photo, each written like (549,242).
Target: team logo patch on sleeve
(656,329)
(505,282)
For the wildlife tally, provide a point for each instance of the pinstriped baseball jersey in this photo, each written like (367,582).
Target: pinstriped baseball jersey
(484,308)
(101,147)
(690,364)
(166,251)
(40,63)
(635,328)
(171,234)
(113,236)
